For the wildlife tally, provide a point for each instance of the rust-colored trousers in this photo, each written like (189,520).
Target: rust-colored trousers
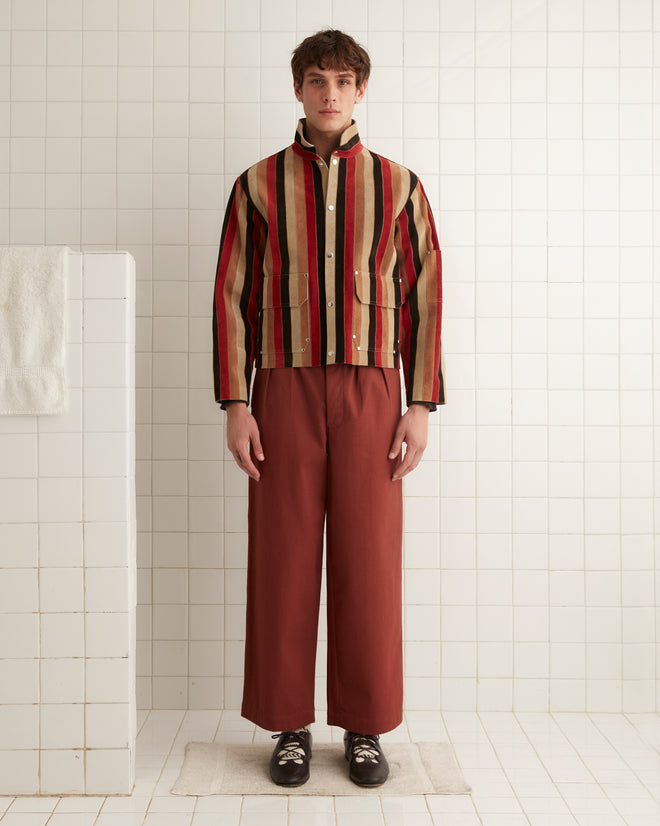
(326,434)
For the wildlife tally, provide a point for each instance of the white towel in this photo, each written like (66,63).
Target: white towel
(32,343)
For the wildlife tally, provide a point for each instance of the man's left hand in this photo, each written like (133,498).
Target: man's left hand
(413,430)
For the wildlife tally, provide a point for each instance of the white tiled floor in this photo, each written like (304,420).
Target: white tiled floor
(525,769)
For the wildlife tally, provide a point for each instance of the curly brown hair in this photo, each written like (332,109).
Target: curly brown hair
(330,49)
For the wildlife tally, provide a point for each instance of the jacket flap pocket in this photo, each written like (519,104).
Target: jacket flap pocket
(374,289)
(284,290)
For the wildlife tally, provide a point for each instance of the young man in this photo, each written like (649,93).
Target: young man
(328,276)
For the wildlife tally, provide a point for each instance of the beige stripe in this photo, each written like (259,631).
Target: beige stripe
(292,221)
(364,185)
(330,188)
(258,185)
(232,290)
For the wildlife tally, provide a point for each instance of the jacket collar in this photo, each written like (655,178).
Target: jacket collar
(349,143)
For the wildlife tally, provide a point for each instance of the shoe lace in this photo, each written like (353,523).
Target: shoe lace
(292,748)
(365,747)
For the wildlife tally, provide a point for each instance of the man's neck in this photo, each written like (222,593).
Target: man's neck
(325,142)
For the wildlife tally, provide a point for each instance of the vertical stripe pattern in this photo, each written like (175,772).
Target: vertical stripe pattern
(328,264)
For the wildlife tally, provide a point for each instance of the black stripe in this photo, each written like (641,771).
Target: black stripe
(398,300)
(441,394)
(319,214)
(340,240)
(251,252)
(413,304)
(350,143)
(378,231)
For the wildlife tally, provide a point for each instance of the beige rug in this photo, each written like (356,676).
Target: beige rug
(221,768)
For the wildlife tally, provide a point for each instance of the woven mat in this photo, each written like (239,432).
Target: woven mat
(221,768)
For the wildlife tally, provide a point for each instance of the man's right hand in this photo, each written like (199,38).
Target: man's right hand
(242,430)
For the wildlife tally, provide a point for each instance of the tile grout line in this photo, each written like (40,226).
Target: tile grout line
(620,754)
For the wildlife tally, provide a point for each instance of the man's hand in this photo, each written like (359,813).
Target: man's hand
(242,429)
(413,430)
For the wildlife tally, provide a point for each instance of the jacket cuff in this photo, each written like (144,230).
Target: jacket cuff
(430,406)
(224,402)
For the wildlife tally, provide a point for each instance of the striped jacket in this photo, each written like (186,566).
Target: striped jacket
(327,264)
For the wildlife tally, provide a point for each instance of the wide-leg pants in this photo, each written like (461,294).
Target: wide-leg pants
(326,433)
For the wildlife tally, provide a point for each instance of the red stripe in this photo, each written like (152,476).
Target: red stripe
(386,200)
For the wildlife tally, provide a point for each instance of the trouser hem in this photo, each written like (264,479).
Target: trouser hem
(284,722)
(364,724)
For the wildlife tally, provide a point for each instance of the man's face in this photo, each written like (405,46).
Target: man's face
(328,97)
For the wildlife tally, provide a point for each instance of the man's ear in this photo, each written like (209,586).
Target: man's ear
(297,91)
(360,92)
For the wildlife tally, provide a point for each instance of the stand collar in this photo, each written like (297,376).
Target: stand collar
(349,143)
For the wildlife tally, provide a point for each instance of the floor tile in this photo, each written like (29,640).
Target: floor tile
(408,819)
(120,819)
(308,803)
(168,819)
(357,804)
(263,818)
(266,803)
(25,818)
(526,769)
(462,819)
(228,804)
(79,804)
(311,819)
(360,819)
(216,819)
(73,819)
(414,803)
(34,804)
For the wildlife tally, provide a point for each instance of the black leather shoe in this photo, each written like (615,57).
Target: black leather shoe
(289,765)
(367,765)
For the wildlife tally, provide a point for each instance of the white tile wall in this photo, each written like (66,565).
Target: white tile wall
(530,567)
(67,535)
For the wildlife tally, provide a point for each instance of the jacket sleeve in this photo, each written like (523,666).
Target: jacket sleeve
(236,297)
(420,267)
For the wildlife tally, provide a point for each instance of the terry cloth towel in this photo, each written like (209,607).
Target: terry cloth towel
(223,768)
(32,344)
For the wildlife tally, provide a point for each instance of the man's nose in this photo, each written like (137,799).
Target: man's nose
(330,93)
